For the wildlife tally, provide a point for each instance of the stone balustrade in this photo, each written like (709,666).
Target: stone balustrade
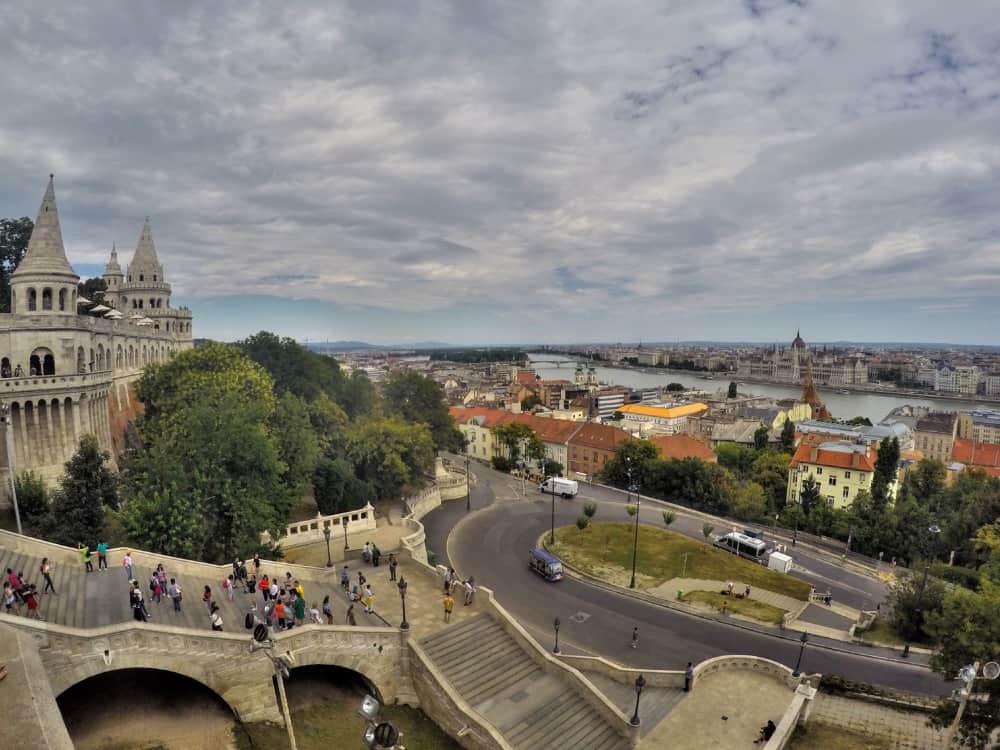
(662,678)
(422,503)
(308,532)
(41,383)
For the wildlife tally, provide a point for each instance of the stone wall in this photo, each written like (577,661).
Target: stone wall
(311,531)
(415,541)
(423,502)
(664,678)
(448,709)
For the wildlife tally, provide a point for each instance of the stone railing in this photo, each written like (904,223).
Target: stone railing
(448,708)
(419,505)
(414,542)
(36,383)
(662,678)
(797,713)
(758,664)
(310,531)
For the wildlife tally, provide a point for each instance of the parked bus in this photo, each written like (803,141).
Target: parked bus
(743,545)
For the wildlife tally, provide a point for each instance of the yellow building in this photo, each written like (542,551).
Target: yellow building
(841,469)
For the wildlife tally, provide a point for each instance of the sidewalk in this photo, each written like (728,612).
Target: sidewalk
(386,536)
(905,730)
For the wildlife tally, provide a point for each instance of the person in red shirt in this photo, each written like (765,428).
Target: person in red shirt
(279,614)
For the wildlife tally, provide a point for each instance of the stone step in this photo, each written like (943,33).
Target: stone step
(500,654)
(491,683)
(462,644)
(458,630)
(534,723)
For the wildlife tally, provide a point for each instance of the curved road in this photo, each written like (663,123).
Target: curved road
(492,546)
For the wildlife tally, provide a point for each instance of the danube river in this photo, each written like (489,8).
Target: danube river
(842,406)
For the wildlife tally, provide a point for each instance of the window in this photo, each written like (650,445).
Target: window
(62,299)
(832,481)
(140,277)
(847,475)
(847,491)
(819,470)
(829,500)
(32,300)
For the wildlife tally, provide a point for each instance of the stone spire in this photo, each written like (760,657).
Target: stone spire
(112,268)
(144,261)
(46,255)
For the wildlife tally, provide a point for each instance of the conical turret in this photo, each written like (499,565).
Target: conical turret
(112,268)
(46,255)
(145,266)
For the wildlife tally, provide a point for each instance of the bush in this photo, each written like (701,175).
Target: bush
(669,517)
(502,463)
(966,577)
(32,499)
(707,529)
(582,521)
(632,509)
(589,509)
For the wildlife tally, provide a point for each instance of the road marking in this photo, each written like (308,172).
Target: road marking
(580,617)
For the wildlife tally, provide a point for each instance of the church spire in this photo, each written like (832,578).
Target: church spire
(145,266)
(112,268)
(46,254)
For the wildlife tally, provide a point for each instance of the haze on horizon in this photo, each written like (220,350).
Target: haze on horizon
(518,172)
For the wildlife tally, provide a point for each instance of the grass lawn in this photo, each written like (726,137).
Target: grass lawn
(882,631)
(335,724)
(746,607)
(816,735)
(607,547)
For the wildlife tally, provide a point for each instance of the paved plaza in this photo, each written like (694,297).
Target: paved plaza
(905,730)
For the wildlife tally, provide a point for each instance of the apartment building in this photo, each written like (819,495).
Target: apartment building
(935,433)
(841,469)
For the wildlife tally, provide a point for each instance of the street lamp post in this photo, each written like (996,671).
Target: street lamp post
(552,486)
(468,483)
(404,625)
(326,536)
(343,522)
(968,675)
(910,631)
(634,487)
(640,683)
(555,625)
(5,417)
(803,640)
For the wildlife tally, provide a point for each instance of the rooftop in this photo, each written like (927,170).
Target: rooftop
(671,412)
(937,421)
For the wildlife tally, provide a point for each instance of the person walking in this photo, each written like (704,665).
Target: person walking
(366,552)
(328,610)
(635,637)
(265,588)
(449,605)
(174,592)
(470,590)
(300,610)
(274,590)
(230,585)
(88,565)
(102,555)
(10,601)
(279,614)
(688,677)
(215,618)
(155,590)
(31,600)
(314,618)
(368,599)
(376,555)
(731,585)
(350,615)
(392,566)
(449,576)
(46,570)
(256,563)
(345,578)
(746,593)
(206,597)
(725,606)
(127,565)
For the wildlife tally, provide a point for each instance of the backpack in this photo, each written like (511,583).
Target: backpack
(248,621)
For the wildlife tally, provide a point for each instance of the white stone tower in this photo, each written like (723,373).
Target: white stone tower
(44,281)
(114,278)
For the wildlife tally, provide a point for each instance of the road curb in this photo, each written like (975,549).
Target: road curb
(665,604)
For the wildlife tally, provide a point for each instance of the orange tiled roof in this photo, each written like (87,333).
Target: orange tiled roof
(549,430)
(683,446)
(665,412)
(463,414)
(837,459)
(976,454)
(600,436)
(526,377)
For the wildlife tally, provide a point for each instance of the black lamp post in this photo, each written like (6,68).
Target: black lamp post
(640,683)
(803,640)
(326,536)
(343,522)
(634,487)
(468,483)
(404,625)
(911,631)
(556,625)
(552,531)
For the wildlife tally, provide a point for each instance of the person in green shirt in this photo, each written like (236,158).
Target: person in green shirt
(300,610)
(85,556)
(102,555)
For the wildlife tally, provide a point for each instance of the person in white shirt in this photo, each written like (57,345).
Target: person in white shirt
(314,615)
(216,618)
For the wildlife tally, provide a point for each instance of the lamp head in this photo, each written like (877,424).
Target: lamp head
(556,624)
(343,522)
(369,708)
(804,637)
(640,683)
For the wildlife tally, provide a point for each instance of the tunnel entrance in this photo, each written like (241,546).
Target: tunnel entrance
(133,709)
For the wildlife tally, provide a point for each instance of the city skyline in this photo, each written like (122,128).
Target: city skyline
(526,174)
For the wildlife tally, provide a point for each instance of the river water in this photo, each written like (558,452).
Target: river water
(842,406)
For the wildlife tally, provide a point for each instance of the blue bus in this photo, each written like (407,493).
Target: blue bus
(545,564)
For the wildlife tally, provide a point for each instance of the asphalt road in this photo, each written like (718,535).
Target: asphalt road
(492,546)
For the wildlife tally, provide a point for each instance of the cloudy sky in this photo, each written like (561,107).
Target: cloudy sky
(510,171)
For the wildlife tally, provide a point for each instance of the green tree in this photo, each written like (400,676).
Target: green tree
(92,289)
(760,438)
(885,471)
(926,481)
(749,502)
(967,629)
(770,470)
(394,457)
(669,517)
(909,607)
(86,489)
(787,440)
(641,455)
(552,467)
(809,496)
(582,521)
(589,509)
(208,431)
(529,402)
(337,490)
(329,423)
(298,445)
(512,436)
(14,236)
(32,500)
(166,518)
(739,459)
(675,387)
(864,421)
(417,398)
(707,529)
(732,390)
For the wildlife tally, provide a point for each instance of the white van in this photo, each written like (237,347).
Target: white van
(559,486)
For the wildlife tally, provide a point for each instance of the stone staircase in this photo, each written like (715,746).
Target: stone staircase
(529,707)
(91,600)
